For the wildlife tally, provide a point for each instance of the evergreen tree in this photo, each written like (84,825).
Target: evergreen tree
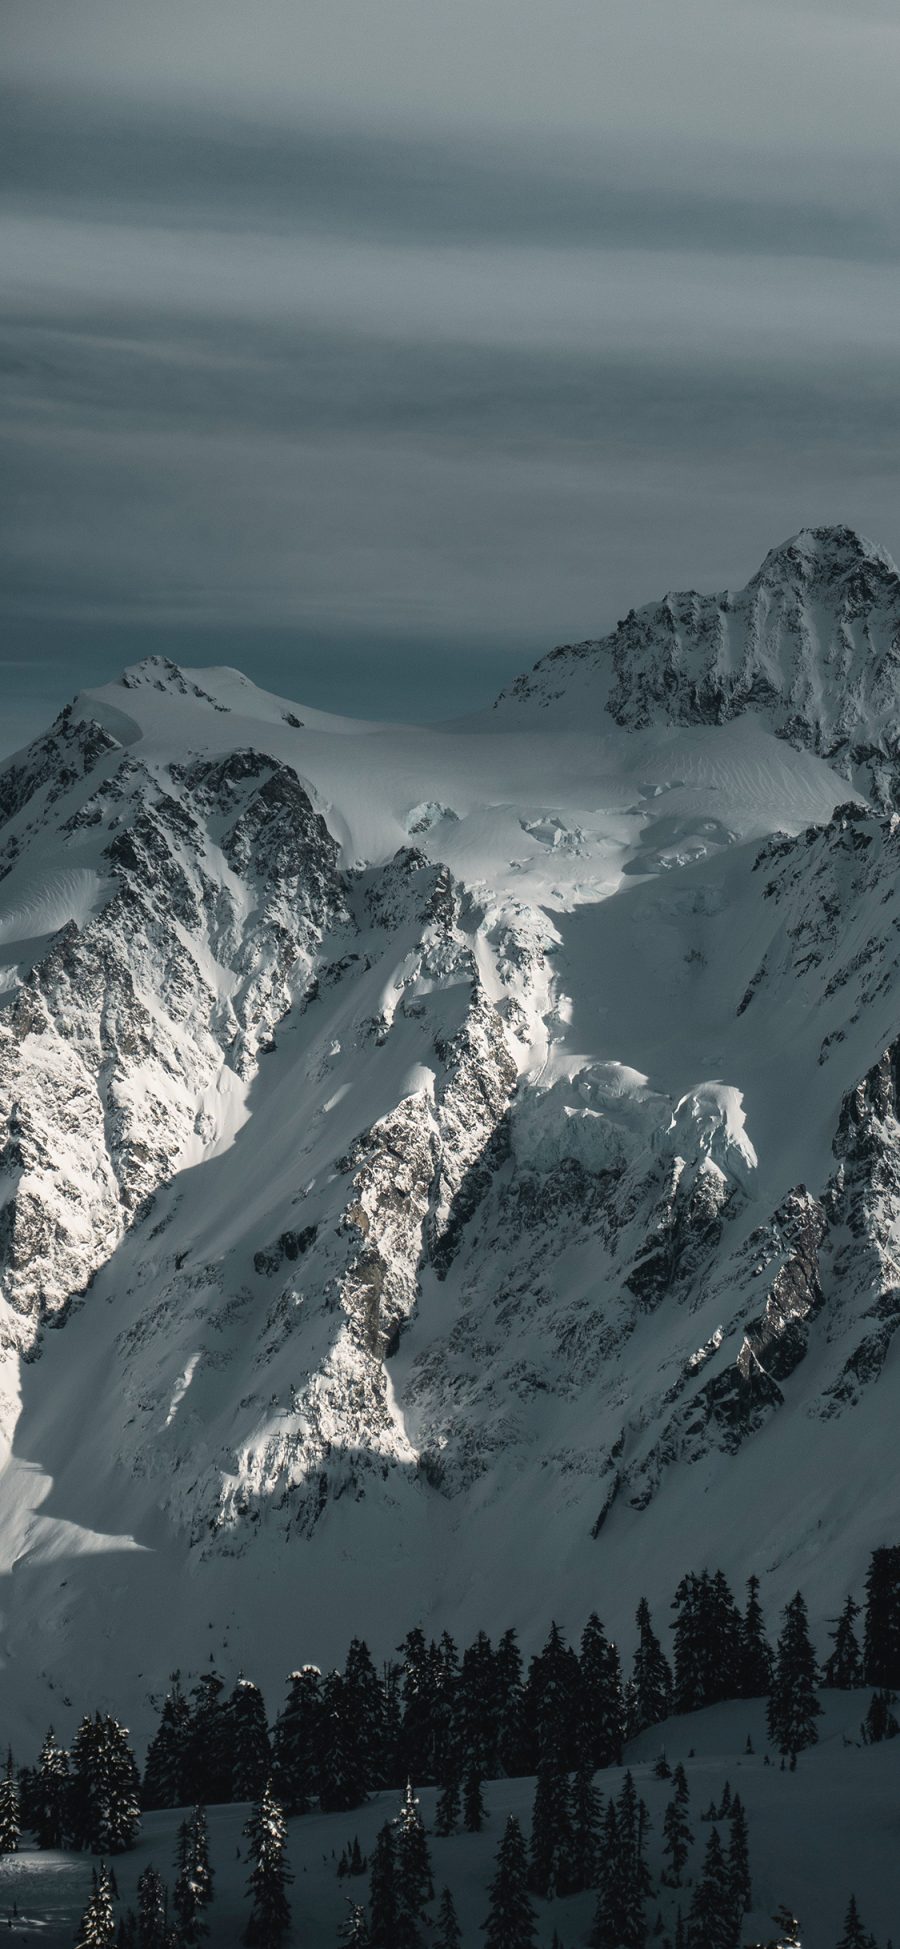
(677,1841)
(98,1925)
(843,1668)
(510,1922)
(152,1926)
(362,1704)
(553,1702)
(793,1705)
(165,1773)
(127,1933)
(267,1833)
(50,1795)
(10,1821)
(880,1721)
(355,1931)
(651,1676)
(209,1761)
(412,1873)
(186,1899)
(417,1693)
(550,1855)
(585,1843)
(602,1700)
(296,1741)
(343,1766)
(478,1705)
(619,1921)
(739,1858)
(383,1891)
(512,1733)
(881,1648)
(473,1801)
(854,1935)
(251,1753)
(756,1652)
(193,1883)
(680,1786)
(446,1813)
(448,1931)
(104,1800)
(712,1918)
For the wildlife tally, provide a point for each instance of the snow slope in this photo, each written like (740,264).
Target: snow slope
(452,1173)
(815,1835)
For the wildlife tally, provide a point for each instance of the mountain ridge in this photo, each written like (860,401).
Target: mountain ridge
(418,1135)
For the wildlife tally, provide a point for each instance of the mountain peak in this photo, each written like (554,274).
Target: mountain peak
(823,556)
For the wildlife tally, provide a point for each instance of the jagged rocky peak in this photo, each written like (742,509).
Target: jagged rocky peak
(812,645)
(826,559)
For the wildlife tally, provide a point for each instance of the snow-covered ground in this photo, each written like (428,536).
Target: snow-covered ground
(816,1834)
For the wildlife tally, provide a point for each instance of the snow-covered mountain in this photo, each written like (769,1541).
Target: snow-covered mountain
(453,1173)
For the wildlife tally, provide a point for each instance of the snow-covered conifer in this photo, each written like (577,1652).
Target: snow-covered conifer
(510,1922)
(269,1875)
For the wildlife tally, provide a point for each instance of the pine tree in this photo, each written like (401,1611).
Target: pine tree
(854,1935)
(553,1702)
(712,1920)
(267,1833)
(586,1809)
(363,1710)
(165,1773)
(651,1676)
(880,1721)
(104,1800)
(296,1742)
(355,1931)
(680,1786)
(186,1900)
(677,1841)
(193,1883)
(10,1821)
(446,1813)
(448,1931)
(512,1732)
(343,1766)
(550,1854)
(755,1650)
(417,1693)
(881,1650)
(510,1922)
(383,1891)
(251,1753)
(412,1873)
(98,1925)
(209,1760)
(473,1801)
(793,1705)
(127,1933)
(153,1927)
(739,1858)
(843,1668)
(51,1795)
(603,1703)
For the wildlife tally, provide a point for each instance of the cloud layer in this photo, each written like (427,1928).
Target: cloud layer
(435,344)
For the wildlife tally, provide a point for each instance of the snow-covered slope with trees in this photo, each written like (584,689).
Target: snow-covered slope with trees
(453,1173)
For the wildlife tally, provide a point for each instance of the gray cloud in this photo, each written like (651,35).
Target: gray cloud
(410,370)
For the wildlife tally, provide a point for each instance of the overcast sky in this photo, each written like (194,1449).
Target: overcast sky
(378,345)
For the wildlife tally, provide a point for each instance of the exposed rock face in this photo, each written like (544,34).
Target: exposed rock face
(123,1023)
(813,643)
